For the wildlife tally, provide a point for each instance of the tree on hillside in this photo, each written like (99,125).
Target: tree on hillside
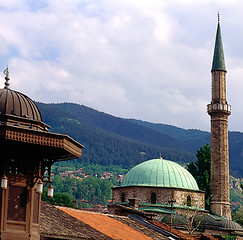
(200,170)
(238,216)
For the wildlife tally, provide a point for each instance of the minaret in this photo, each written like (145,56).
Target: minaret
(219,111)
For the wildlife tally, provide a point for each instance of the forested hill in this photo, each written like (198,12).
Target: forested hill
(126,142)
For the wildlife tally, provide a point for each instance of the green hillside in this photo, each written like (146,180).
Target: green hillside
(191,138)
(104,142)
(127,142)
(194,139)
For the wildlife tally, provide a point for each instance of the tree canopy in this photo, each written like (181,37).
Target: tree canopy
(200,170)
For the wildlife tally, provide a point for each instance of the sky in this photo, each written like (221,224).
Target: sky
(144,59)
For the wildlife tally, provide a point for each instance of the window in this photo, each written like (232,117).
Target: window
(17,200)
(123,197)
(189,201)
(153,197)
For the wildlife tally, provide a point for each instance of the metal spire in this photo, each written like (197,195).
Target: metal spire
(7,78)
(218,58)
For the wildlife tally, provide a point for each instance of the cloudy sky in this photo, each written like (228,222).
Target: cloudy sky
(143,59)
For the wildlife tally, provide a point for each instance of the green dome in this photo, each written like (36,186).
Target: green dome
(160,173)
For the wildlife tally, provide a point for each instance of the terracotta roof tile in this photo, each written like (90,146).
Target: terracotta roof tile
(58,224)
(106,225)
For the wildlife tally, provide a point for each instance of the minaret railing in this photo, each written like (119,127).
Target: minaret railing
(219,107)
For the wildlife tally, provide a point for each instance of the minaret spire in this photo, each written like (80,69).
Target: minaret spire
(219,110)
(218,57)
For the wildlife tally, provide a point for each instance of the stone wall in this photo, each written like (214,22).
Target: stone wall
(220,195)
(218,87)
(197,198)
(163,195)
(220,198)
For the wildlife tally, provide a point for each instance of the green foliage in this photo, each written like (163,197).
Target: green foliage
(60,199)
(230,237)
(90,190)
(94,190)
(236,198)
(89,168)
(200,170)
(238,216)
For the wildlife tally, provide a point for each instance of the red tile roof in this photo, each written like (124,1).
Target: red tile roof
(106,225)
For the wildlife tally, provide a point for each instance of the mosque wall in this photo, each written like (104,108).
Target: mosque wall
(162,195)
(197,199)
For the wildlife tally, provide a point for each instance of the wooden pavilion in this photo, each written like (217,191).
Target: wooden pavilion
(27,152)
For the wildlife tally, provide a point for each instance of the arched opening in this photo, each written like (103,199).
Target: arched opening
(153,197)
(123,197)
(189,201)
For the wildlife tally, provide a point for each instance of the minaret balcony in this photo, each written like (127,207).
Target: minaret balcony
(219,107)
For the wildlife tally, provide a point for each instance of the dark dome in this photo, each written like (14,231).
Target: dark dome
(17,104)
(205,221)
(177,219)
(230,225)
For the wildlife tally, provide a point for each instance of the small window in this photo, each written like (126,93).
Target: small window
(123,197)
(153,197)
(189,201)
(17,200)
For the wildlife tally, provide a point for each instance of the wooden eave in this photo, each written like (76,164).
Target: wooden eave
(63,146)
(9,120)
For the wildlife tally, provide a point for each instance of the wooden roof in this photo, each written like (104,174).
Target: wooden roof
(57,224)
(54,146)
(115,228)
(66,223)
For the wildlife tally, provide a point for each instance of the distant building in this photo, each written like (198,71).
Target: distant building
(157,182)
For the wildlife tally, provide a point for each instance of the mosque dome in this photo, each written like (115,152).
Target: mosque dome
(160,173)
(230,225)
(13,103)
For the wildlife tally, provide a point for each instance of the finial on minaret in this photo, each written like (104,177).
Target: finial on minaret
(218,18)
(7,78)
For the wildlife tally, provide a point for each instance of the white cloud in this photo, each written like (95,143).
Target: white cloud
(144,59)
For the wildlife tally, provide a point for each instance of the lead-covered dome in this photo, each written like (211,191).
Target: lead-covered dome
(17,104)
(230,225)
(160,173)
